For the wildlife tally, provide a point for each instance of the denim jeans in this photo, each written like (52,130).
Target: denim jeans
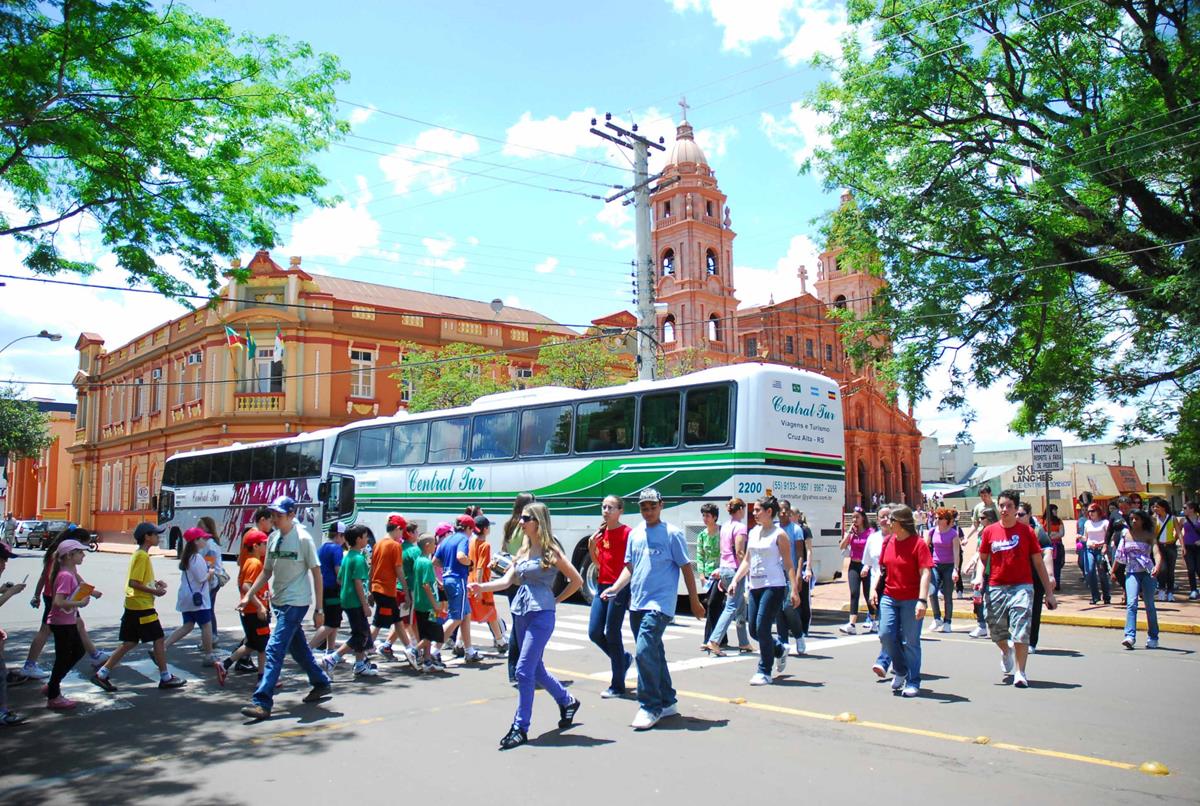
(654,679)
(900,634)
(604,628)
(941,581)
(514,645)
(735,605)
(764,609)
(287,635)
(1140,583)
(534,629)
(1097,579)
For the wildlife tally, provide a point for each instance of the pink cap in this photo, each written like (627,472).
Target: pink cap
(67,546)
(195,533)
(443,529)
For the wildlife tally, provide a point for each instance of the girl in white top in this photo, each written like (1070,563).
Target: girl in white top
(193,601)
(1095,528)
(769,566)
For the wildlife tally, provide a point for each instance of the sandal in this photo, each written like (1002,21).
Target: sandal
(714,650)
(746,650)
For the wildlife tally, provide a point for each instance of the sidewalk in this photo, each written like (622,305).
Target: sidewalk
(129,548)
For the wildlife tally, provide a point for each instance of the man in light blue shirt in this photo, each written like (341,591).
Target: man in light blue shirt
(655,554)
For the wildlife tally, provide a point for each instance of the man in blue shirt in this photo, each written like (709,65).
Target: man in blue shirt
(455,556)
(330,556)
(795,620)
(655,554)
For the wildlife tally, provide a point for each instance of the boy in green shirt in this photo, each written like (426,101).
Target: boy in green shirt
(353,575)
(426,607)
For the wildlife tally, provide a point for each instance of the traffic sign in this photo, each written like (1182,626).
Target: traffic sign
(1047,455)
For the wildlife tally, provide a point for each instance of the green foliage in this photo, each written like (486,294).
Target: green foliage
(580,364)
(161,128)
(1183,448)
(1028,176)
(686,361)
(451,376)
(24,431)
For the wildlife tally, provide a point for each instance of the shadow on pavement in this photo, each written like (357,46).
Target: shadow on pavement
(791,682)
(943,697)
(557,738)
(690,723)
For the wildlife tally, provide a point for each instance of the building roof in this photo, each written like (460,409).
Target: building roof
(685,148)
(424,302)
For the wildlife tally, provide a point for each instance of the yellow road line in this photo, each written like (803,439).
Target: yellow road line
(741,702)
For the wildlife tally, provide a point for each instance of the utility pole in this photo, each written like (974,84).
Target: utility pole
(640,190)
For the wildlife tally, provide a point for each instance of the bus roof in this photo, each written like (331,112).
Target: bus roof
(305,436)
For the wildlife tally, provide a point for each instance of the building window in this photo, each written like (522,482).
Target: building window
(666,209)
(471,328)
(523,376)
(195,362)
(268,373)
(118,486)
(828,352)
(708,208)
(519,335)
(410,320)
(362,374)
(362,312)
(751,347)
(139,397)
(180,383)
(155,389)
(668,263)
(789,344)
(710,263)
(105,488)
(840,301)
(668,329)
(714,328)
(808,348)
(81,413)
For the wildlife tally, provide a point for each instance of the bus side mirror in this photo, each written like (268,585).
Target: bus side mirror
(323,492)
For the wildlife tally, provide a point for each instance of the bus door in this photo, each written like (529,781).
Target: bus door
(339,498)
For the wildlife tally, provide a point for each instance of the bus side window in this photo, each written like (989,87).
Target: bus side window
(448,440)
(706,420)
(408,443)
(262,463)
(605,425)
(494,436)
(309,459)
(660,421)
(546,432)
(218,473)
(346,450)
(239,466)
(374,445)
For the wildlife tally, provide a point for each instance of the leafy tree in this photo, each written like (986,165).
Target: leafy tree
(689,360)
(24,430)
(171,134)
(451,376)
(1028,175)
(580,364)
(1183,449)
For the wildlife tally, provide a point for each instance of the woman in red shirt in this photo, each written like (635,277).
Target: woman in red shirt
(607,549)
(901,589)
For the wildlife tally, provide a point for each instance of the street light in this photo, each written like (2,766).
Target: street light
(45,334)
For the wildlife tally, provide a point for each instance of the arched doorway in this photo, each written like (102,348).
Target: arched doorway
(906,483)
(885,477)
(864,484)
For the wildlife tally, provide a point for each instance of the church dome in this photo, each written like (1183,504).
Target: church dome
(685,148)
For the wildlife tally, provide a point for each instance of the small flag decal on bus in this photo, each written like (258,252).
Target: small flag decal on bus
(798,388)
(814,391)
(832,395)
(777,384)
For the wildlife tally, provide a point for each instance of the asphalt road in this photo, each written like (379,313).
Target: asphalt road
(1093,714)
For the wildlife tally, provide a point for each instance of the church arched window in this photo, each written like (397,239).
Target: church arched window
(714,328)
(668,263)
(668,329)
(840,301)
(710,263)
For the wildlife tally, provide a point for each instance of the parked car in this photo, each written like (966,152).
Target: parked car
(30,533)
(53,530)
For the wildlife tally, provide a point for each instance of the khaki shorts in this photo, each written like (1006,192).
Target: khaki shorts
(1009,613)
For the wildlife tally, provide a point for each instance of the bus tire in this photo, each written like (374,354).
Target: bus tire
(590,573)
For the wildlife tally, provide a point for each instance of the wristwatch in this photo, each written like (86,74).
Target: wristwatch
(924,602)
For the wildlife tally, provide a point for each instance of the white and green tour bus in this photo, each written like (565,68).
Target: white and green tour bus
(743,430)
(229,483)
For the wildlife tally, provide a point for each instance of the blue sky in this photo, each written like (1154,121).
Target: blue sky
(437,205)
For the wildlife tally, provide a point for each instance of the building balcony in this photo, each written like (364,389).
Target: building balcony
(258,402)
(114,430)
(186,411)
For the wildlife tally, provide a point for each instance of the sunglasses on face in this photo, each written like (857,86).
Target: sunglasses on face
(526,518)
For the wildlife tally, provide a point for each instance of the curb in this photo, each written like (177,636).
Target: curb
(1070,620)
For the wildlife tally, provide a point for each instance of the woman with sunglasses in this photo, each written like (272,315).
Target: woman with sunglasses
(1141,554)
(860,581)
(944,543)
(1025,516)
(1095,528)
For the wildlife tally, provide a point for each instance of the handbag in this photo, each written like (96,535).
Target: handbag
(501,563)
(197,596)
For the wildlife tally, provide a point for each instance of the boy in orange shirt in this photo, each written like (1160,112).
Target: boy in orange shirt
(387,576)
(256,615)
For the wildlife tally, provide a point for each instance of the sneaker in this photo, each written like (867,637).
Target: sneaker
(502,648)
(98,659)
(1194,595)
(670,710)
(1019,680)
(898,682)
(388,651)
(910,691)
(1033,649)
(936,626)
(612,693)
(760,679)
(946,627)
(208,659)
(104,683)
(1007,663)
(1127,643)
(1170,596)
(34,672)
(438,663)
(566,713)
(472,656)
(875,627)
(780,663)
(879,671)
(222,673)
(318,693)
(328,661)
(460,651)
(514,738)
(10,719)
(868,625)
(256,712)
(172,682)
(428,668)
(60,703)
(245,666)
(1161,596)
(410,656)
(801,646)
(15,678)
(1151,643)
(848,629)
(644,720)
(978,632)
(366,669)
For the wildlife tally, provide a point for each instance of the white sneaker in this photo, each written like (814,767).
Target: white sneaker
(1032,649)
(898,682)
(936,626)
(868,625)
(781,664)
(644,720)
(670,710)
(800,645)
(848,629)
(366,670)
(100,656)
(978,632)
(1161,596)
(910,691)
(410,655)
(1127,643)
(1008,662)
(1019,680)
(875,627)
(1170,596)
(328,661)
(1194,595)
(946,627)
(760,679)
(34,672)
(879,671)
(1151,643)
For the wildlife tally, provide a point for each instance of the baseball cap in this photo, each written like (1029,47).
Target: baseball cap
(284,505)
(481,522)
(145,528)
(466,523)
(67,546)
(443,529)
(254,537)
(650,495)
(6,552)
(195,533)
(341,528)
(396,522)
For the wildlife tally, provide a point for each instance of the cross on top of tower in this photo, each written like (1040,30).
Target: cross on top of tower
(684,105)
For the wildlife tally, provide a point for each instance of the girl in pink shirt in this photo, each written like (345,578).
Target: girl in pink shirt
(68,646)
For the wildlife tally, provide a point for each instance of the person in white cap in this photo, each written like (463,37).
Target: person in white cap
(655,554)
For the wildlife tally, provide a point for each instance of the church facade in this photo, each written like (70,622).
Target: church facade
(700,323)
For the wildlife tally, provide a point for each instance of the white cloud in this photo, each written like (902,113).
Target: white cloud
(744,23)
(413,167)
(547,266)
(439,250)
(438,247)
(714,142)
(798,133)
(360,115)
(757,286)
(342,232)
(513,301)
(567,135)
(818,29)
